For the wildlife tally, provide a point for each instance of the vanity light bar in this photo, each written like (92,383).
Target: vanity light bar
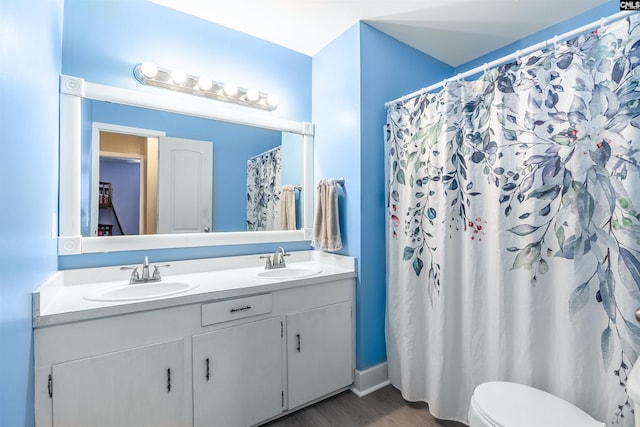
(149,74)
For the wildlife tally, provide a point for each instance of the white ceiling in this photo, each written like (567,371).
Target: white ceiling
(453,31)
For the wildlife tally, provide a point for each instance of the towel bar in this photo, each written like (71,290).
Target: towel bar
(339,181)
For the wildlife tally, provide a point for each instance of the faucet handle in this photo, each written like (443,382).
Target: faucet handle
(282,258)
(134,273)
(156,271)
(268,263)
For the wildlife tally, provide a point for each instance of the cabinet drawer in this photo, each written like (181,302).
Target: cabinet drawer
(237,308)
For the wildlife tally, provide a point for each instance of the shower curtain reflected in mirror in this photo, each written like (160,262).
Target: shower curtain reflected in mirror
(514,229)
(264,186)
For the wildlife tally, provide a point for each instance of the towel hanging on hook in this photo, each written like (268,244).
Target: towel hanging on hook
(288,208)
(326,226)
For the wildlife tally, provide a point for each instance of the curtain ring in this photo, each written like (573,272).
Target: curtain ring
(518,57)
(459,78)
(602,27)
(485,68)
(555,42)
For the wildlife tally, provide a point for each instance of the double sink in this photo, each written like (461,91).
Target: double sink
(146,291)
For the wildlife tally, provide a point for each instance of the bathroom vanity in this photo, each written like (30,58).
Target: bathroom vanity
(240,346)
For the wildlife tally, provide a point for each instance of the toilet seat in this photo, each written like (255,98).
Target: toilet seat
(505,404)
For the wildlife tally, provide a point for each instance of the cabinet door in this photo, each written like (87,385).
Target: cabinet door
(237,374)
(138,388)
(319,352)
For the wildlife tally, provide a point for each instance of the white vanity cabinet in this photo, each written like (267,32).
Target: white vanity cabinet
(238,374)
(221,357)
(140,387)
(319,352)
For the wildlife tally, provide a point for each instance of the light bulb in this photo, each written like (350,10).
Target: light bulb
(272,99)
(178,76)
(230,88)
(252,94)
(148,69)
(205,83)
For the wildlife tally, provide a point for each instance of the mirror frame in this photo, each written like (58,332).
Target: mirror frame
(70,240)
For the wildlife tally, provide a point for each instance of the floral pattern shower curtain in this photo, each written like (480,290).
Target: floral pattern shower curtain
(514,229)
(263,191)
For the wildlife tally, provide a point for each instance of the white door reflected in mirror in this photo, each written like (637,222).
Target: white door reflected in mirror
(152,185)
(184,186)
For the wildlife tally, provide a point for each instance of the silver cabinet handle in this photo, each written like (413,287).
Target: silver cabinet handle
(246,307)
(638,314)
(207,229)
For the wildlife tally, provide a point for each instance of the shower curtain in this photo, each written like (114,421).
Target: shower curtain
(263,191)
(513,246)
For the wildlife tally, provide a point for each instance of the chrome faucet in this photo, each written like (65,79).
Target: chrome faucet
(146,277)
(277,261)
(278,258)
(145,270)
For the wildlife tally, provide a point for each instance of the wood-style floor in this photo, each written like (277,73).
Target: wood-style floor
(383,408)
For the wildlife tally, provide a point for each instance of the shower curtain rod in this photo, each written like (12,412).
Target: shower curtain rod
(265,152)
(517,54)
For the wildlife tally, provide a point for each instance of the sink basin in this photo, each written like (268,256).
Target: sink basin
(289,272)
(140,291)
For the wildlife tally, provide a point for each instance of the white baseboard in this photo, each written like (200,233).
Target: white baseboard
(370,380)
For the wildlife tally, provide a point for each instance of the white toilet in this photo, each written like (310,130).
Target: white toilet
(505,404)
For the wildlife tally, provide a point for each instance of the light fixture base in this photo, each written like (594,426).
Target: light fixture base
(216,90)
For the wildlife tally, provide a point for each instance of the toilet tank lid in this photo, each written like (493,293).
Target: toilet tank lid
(507,404)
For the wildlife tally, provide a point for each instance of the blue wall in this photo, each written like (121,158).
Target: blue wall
(388,70)
(352,79)
(336,115)
(103,41)
(30,46)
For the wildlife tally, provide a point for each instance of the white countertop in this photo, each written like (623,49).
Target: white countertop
(61,298)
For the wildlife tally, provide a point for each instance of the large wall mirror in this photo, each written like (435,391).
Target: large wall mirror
(142,170)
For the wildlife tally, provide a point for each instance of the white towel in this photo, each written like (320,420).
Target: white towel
(326,227)
(288,208)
